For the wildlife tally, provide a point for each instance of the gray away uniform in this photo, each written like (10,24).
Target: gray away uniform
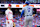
(28,15)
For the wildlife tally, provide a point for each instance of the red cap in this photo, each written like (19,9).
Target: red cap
(9,5)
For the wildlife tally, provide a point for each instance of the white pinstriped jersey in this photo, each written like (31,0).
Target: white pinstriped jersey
(9,13)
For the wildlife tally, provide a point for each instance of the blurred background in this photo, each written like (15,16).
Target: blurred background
(16,13)
(18,1)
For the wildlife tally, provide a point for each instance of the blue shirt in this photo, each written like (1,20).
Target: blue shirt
(22,13)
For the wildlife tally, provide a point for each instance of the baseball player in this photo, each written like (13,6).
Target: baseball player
(27,10)
(9,17)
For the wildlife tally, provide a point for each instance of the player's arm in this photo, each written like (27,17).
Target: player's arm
(33,15)
(12,17)
(22,12)
(13,20)
(6,16)
(6,13)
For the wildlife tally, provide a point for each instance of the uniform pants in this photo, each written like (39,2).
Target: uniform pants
(28,21)
(10,24)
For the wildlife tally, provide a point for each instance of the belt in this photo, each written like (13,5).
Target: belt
(9,19)
(28,15)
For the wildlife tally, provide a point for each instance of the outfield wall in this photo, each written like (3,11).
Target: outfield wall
(19,5)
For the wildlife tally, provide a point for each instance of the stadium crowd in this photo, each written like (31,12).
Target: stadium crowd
(17,20)
(12,1)
(19,1)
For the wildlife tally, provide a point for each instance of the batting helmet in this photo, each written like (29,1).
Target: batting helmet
(27,2)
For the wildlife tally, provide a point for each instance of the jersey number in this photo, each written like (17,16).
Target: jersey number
(28,9)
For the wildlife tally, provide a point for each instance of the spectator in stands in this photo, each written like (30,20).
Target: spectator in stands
(0,1)
(12,2)
(0,23)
